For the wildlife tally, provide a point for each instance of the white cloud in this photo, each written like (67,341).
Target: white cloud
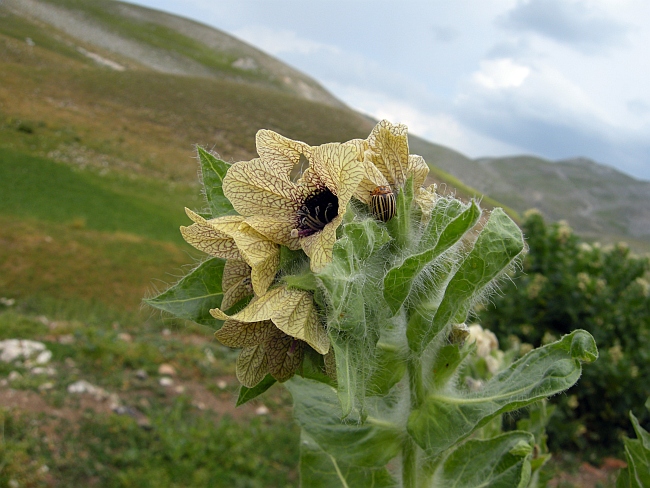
(439,127)
(501,73)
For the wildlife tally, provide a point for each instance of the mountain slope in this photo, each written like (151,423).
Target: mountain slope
(599,202)
(140,37)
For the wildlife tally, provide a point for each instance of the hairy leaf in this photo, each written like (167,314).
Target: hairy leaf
(344,278)
(213,171)
(194,295)
(500,462)
(499,243)
(637,455)
(399,280)
(319,469)
(446,417)
(247,394)
(371,443)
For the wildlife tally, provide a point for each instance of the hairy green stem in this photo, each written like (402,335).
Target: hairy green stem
(409,463)
(416,387)
(409,448)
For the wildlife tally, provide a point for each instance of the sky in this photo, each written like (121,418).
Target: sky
(553,78)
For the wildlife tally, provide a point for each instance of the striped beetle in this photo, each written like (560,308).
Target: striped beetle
(382,203)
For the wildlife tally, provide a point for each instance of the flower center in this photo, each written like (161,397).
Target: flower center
(318,210)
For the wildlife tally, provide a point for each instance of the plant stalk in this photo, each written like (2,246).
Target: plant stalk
(409,448)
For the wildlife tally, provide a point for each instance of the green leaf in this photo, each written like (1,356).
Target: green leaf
(213,171)
(344,277)
(195,294)
(637,454)
(446,417)
(500,462)
(368,443)
(638,462)
(399,280)
(346,375)
(389,368)
(247,394)
(447,361)
(444,211)
(641,433)
(498,244)
(319,469)
(399,227)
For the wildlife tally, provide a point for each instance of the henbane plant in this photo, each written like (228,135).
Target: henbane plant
(355,300)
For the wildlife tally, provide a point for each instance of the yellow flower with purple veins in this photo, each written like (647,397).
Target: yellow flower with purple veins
(273,331)
(292,311)
(389,164)
(302,214)
(265,349)
(231,238)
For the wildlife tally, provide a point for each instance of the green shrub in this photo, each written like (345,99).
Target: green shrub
(567,284)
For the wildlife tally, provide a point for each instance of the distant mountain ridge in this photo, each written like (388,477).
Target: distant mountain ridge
(177,58)
(598,201)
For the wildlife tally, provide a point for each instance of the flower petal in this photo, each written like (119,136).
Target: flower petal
(260,308)
(210,237)
(258,188)
(251,366)
(418,168)
(361,146)
(298,318)
(284,354)
(236,282)
(284,153)
(276,229)
(426,199)
(371,180)
(243,334)
(292,311)
(262,255)
(337,166)
(390,151)
(319,246)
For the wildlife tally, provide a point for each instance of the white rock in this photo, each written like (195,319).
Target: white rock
(82,386)
(166,381)
(46,386)
(262,410)
(114,401)
(44,357)
(247,64)
(221,384)
(13,349)
(49,370)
